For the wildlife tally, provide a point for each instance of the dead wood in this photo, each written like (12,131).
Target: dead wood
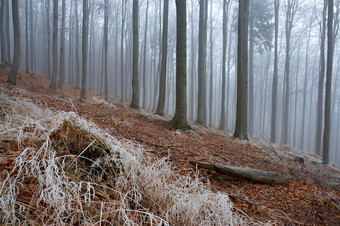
(255,175)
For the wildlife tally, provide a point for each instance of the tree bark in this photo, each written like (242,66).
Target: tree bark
(12,78)
(53,84)
(2,30)
(242,72)
(84,49)
(255,175)
(105,49)
(179,120)
(27,48)
(162,79)
(135,57)
(144,52)
(326,135)
(62,46)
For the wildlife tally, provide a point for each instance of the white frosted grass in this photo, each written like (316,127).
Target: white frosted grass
(144,186)
(102,102)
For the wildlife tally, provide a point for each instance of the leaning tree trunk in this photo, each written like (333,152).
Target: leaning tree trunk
(12,78)
(179,120)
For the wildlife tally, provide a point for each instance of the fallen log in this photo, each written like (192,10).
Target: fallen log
(255,175)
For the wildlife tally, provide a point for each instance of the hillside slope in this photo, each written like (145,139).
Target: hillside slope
(304,200)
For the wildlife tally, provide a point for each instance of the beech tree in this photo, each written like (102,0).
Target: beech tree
(12,78)
(53,84)
(135,85)
(241,131)
(179,121)
(84,48)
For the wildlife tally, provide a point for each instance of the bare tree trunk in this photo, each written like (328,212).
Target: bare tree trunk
(8,39)
(242,72)
(15,66)
(84,49)
(202,52)
(251,75)
(27,50)
(32,67)
(122,51)
(48,41)
(2,30)
(144,53)
(78,78)
(318,136)
(105,49)
(326,135)
(135,85)
(162,79)
(211,68)
(275,75)
(62,46)
(179,121)
(53,84)
(222,125)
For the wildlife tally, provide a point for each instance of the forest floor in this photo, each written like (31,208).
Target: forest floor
(305,200)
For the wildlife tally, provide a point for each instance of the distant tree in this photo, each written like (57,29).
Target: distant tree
(122,51)
(179,121)
(12,78)
(135,57)
(144,52)
(48,39)
(8,39)
(105,49)
(202,55)
(162,79)
(62,46)
(326,135)
(319,108)
(260,36)
(241,131)
(84,48)
(291,9)
(226,4)
(26,26)
(275,74)
(53,84)
(2,30)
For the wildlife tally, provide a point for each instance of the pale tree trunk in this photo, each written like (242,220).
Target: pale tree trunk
(105,49)
(242,72)
(8,39)
(27,50)
(222,125)
(179,121)
(273,122)
(202,52)
(296,92)
(135,55)
(251,76)
(326,135)
(290,14)
(318,135)
(32,37)
(2,30)
(84,49)
(12,78)
(48,40)
(78,78)
(122,51)
(62,46)
(162,79)
(144,53)
(211,68)
(305,86)
(53,84)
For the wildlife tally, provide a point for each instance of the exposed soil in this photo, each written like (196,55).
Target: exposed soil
(305,200)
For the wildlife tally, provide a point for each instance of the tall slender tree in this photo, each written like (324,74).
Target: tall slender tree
(122,51)
(27,47)
(202,54)
(320,103)
(84,48)
(179,121)
(144,52)
(241,131)
(105,49)
(62,46)
(162,79)
(135,57)
(273,122)
(53,84)
(12,78)
(326,135)
(2,30)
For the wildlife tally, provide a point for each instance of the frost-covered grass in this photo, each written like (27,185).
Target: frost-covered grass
(120,185)
(102,102)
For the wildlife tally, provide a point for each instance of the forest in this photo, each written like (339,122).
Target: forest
(288,102)
(169,112)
